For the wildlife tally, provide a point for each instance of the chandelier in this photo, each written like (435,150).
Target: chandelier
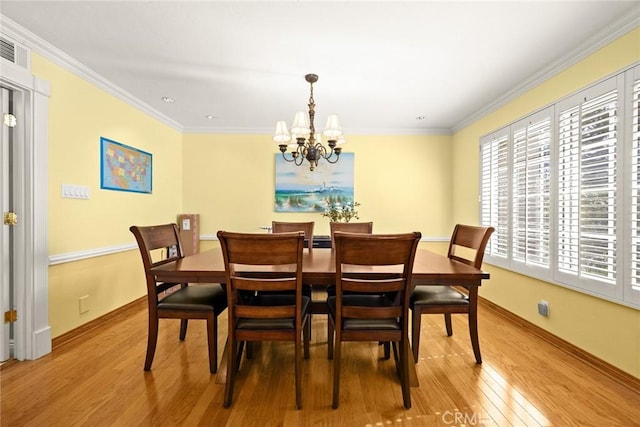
(308,144)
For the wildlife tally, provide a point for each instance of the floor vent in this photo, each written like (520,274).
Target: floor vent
(13,52)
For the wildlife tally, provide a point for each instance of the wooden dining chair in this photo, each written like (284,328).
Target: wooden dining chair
(264,291)
(350,227)
(371,302)
(161,244)
(307,229)
(467,245)
(287,227)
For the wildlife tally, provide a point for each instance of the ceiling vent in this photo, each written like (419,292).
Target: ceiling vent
(14,52)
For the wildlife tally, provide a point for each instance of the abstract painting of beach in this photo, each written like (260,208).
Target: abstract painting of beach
(300,190)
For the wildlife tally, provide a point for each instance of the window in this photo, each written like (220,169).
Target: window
(632,293)
(495,192)
(530,196)
(562,189)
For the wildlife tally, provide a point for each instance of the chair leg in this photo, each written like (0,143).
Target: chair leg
(416,317)
(306,335)
(336,373)
(212,340)
(241,346)
(298,374)
(183,328)
(404,377)
(231,372)
(473,331)
(152,340)
(397,360)
(330,337)
(249,350)
(387,350)
(447,324)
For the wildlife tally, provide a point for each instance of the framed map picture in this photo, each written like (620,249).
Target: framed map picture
(124,168)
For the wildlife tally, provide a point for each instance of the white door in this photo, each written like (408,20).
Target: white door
(6,274)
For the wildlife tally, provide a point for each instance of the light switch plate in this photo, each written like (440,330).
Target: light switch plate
(70,191)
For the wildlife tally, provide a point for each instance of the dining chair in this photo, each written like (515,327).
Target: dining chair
(286,227)
(307,229)
(161,244)
(467,245)
(259,269)
(350,227)
(371,302)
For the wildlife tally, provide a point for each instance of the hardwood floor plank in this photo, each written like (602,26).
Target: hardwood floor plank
(97,379)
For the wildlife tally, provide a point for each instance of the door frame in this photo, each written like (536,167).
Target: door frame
(32,332)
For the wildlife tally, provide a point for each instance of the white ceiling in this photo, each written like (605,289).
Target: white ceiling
(381,64)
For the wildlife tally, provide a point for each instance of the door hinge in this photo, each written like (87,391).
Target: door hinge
(9,120)
(10,316)
(10,218)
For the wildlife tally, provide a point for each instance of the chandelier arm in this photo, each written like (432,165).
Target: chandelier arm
(328,159)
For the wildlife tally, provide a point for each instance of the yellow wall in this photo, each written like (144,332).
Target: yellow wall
(424,183)
(402,183)
(607,330)
(79,114)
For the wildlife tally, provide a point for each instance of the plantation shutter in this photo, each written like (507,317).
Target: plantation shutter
(587,190)
(531,186)
(635,188)
(494,191)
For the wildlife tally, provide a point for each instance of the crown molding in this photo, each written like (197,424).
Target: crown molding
(58,57)
(610,33)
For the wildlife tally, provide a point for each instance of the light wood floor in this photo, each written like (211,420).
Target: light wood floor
(97,380)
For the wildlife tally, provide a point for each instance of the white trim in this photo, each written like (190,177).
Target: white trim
(596,42)
(213,237)
(352,132)
(109,250)
(599,40)
(58,57)
(32,333)
(90,253)
(37,236)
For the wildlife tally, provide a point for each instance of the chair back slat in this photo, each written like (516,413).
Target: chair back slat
(350,227)
(384,249)
(259,284)
(262,249)
(372,286)
(288,227)
(264,312)
(356,312)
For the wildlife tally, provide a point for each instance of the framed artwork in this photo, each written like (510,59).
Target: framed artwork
(124,168)
(300,190)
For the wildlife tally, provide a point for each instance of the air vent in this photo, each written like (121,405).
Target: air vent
(7,50)
(13,52)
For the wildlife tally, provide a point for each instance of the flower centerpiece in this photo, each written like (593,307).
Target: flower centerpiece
(341,212)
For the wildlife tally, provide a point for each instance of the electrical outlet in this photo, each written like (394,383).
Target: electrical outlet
(543,308)
(83,304)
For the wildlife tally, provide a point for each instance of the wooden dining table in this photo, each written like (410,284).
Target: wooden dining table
(319,270)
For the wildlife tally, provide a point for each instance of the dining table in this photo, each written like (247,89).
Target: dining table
(319,270)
